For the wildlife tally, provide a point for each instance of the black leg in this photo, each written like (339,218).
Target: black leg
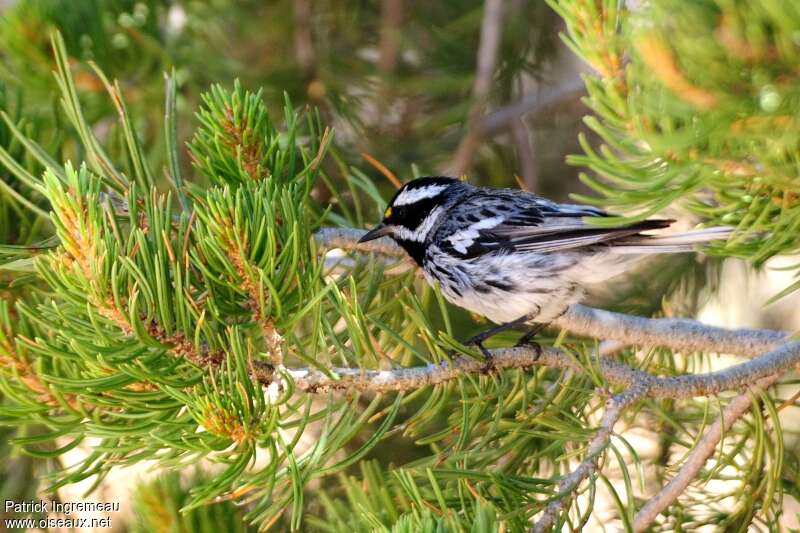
(479,339)
(528,337)
(491,332)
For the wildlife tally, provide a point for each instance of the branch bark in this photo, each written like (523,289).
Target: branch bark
(678,334)
(735,377)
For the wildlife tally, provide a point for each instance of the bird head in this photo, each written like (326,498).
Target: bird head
(413,213)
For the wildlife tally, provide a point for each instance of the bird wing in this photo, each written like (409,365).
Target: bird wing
(513,221)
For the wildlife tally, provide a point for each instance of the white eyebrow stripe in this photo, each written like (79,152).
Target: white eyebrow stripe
(415,195)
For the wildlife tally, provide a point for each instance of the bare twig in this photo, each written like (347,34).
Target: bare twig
(487,60)
(347,239)
(699,455)
(615,406)
(391,16)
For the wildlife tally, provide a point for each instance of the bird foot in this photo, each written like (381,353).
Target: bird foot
(525,340)
(530,343)
(488,364)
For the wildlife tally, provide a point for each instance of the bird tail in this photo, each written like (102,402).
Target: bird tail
(675,243)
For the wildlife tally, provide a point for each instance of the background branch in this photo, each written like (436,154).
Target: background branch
(526,155)
(487,60)
(391,17)
(536,102)
(303,37)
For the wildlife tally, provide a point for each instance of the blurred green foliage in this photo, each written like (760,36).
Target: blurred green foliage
(159,507)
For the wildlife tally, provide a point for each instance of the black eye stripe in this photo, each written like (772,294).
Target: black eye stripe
(412,215)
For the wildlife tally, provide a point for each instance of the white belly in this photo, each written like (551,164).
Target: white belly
(507,287)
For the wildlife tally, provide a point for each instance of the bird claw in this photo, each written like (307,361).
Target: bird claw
(525,340)
(529,343)
(488,358)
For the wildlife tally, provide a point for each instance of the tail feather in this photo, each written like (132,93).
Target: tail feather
(676,243)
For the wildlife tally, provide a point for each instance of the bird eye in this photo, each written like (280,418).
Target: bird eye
(387,213)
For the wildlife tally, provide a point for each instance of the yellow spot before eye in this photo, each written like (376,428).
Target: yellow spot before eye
(387,213)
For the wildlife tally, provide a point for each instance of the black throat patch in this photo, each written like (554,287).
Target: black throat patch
(413,248)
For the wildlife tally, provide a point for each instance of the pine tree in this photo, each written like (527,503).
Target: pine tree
(225,315)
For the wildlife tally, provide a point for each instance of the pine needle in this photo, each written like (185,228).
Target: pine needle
(380,167)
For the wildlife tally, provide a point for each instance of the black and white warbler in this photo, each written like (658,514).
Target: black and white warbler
(512,256)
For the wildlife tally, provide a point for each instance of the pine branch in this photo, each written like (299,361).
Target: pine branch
(735,377)
(700,453)
(615,407)
(764,370)
(652,70)
(193,313)
(675,333)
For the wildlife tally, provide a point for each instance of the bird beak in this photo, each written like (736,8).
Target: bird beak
(375,233)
